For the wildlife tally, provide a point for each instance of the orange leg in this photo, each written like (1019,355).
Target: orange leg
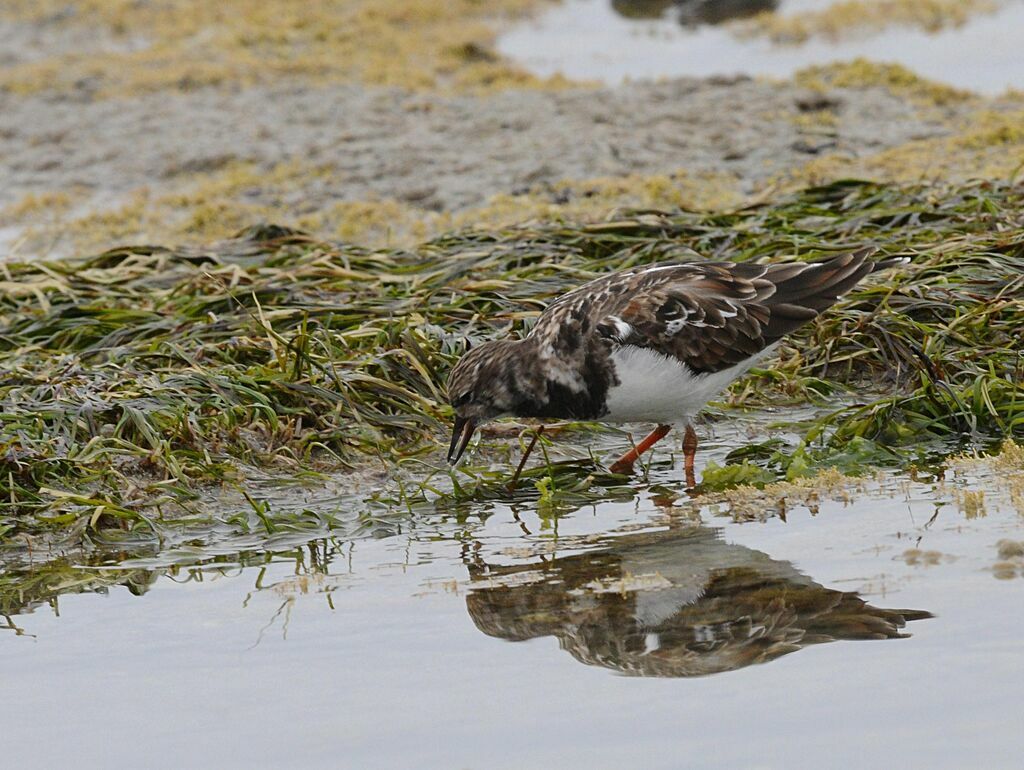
(625,463)
(689,452)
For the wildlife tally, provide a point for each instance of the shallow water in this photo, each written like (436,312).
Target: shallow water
(628,632)
(593,39)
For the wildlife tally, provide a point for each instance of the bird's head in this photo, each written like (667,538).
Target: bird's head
(483,385)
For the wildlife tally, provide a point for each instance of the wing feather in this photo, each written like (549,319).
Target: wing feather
(710,315)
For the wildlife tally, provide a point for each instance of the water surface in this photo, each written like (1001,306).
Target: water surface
(612,41)
(631,632)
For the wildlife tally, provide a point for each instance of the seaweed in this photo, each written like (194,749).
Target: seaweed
(136,380)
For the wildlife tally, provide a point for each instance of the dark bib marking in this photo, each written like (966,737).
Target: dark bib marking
(561,402)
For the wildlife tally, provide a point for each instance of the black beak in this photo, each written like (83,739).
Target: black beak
(462,432)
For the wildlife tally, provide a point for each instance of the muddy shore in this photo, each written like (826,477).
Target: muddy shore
(430,153)
(439,152)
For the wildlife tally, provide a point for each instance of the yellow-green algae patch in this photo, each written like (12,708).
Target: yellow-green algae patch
(187,44)
(757,502)
(1004,470)
(1002,473)
(984,144)
(864,73)
(983,141)
(213,205)
(858,17)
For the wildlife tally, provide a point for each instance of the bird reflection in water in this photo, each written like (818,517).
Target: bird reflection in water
(694,12)
(673,603)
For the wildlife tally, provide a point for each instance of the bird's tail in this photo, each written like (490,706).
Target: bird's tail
(805,289)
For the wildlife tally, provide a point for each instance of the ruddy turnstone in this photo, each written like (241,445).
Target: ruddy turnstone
(648,344)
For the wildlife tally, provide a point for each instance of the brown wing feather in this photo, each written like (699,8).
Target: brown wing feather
(711,315)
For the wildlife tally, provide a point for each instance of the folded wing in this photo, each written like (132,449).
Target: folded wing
(710,315)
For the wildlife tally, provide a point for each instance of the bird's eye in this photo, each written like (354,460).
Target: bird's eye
(462,400)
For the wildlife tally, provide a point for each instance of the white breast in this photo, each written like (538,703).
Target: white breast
(657,388)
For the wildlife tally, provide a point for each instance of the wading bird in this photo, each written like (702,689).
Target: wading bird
(648,344)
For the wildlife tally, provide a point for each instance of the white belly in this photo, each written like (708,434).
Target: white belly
(656,388)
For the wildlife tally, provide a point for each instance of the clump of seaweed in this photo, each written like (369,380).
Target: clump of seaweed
(189,44)
(133,378)
(851,17)
(864,73)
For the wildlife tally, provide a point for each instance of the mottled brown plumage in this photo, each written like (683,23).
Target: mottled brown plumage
(709,315)
(651,343)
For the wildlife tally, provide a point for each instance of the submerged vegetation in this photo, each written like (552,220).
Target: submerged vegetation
(135,379)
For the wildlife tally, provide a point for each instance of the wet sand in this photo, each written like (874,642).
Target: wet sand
(439,152)
(67,155)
